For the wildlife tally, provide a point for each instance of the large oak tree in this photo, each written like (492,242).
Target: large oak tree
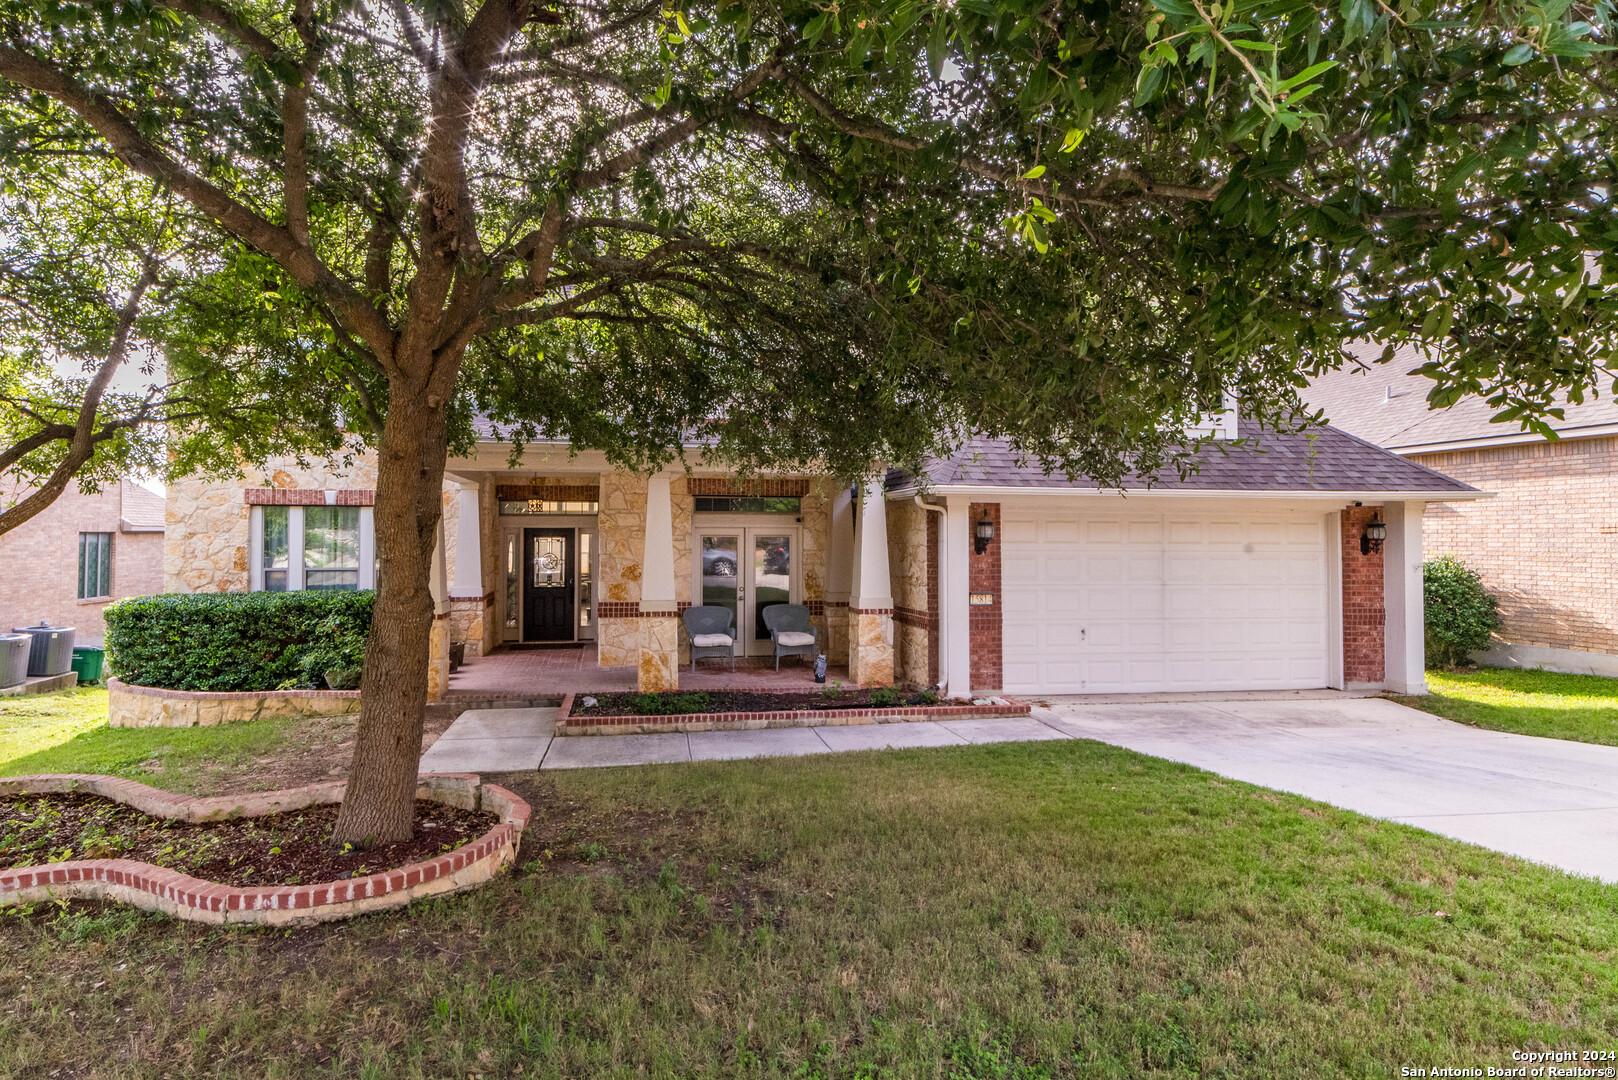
(847,232)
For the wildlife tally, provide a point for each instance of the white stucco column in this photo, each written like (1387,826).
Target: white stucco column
(839,573)
(468,579)
(659,667)
(437,577)
(1403,599)
(870,608)
(955,601)
(438,636)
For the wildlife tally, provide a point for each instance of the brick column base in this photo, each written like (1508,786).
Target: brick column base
(870,647)
(659,665)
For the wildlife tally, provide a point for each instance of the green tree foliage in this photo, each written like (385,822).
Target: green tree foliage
(1461,615)
(842,233)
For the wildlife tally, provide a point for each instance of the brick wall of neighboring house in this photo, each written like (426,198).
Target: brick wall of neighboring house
(1364,611)
(1546,545)
(41,560)
(983,576)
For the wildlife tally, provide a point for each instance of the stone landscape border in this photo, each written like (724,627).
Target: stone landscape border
(153,706)
(154,888)
(568,724)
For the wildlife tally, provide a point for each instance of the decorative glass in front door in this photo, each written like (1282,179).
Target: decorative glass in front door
(721,574)
(548,559)
(772,578)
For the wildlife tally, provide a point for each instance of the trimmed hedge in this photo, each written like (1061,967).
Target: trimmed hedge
(1461,615)
(236,641)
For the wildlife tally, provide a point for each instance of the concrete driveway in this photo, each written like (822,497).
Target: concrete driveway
(1548,800)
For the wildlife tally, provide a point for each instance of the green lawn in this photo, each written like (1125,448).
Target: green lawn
(1016,911)
(67,732)
(1583,708)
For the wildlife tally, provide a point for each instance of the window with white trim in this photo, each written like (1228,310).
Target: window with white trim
(328,548)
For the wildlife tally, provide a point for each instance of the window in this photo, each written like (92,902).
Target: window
(732,504)
(324,548)
(548,506)
(95,565)
(275,548)
(331,547)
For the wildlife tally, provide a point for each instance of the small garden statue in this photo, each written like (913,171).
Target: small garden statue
(820,667)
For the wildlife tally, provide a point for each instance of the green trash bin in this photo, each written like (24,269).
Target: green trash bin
(87,661)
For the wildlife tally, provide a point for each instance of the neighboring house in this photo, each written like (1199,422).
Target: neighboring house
(1546,544)
(1247,575)
(79,554)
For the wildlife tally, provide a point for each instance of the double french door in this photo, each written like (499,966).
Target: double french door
(747,570)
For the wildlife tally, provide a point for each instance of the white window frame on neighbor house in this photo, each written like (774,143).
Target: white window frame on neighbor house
(103,565)
(295,548)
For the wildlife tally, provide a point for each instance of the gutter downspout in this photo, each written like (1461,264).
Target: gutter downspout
(943,576)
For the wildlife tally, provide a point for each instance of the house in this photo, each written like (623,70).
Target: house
(1546,545)
(984,574)
(85,550)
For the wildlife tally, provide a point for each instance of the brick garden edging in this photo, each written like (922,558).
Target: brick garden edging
(154,888)
(568,724)
(153,706)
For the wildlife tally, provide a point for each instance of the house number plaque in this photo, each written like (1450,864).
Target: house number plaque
(982,599)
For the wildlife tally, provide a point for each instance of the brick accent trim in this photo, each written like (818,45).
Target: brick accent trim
(870,611)
(779,487)
(983,576)
(548,492)
(630,609)
(816,607)
(151,887)
(308,497)
(566,723)
(905,616)
(1364,611)
(836,603)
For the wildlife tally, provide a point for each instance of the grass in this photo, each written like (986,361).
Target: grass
(1583,708)
(1020,911)
(67,732)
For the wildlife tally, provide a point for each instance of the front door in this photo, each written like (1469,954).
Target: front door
(548,585)
(746,570)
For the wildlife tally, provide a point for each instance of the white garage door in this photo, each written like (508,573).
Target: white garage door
(1138,602)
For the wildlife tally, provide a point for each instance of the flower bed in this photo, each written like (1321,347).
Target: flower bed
(718,710)
(367,888)
(151,706)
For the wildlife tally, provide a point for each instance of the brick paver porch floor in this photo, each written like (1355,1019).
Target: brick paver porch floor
(573,669)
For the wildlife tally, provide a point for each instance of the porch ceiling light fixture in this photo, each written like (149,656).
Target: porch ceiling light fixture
(1375,532)
(982,534)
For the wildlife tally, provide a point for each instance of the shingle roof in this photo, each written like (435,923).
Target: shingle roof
(1382,403)
(142,507)
(1323,460)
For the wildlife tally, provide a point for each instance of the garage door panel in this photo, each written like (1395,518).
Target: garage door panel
(1136,602)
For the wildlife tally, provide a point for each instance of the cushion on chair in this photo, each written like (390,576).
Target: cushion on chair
(707,641)
(793,637)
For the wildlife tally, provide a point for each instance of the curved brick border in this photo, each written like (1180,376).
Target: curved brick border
(153,706)
(568,724)
(151,887)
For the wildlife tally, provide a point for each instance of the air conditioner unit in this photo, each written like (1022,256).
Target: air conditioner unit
(52,649)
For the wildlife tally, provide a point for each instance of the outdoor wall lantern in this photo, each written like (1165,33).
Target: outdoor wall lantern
(982,534)
(1375,533)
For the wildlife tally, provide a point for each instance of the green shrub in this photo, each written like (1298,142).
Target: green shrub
(668,704)
(1461,615)
(236,641)
(885,696)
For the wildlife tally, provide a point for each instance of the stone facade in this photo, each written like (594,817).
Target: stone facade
(42,560)
(1546,545)
(908,529)
(658,658)
(621,533)
(1364,605)
(870,658)
(205,543)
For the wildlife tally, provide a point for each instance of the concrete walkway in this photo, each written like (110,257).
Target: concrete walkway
(1547,800)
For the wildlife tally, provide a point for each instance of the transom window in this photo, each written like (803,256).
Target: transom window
(548,506)
(738,504)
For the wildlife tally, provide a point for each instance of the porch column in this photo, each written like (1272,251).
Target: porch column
(659,628)
(1404,600)
(870,609)
(466,586)
(438,637)
(955,604)
(839,575)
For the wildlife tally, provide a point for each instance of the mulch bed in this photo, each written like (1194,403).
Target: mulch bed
(716,701)
(280,849)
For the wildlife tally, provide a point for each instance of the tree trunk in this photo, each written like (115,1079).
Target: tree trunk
(379,806)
